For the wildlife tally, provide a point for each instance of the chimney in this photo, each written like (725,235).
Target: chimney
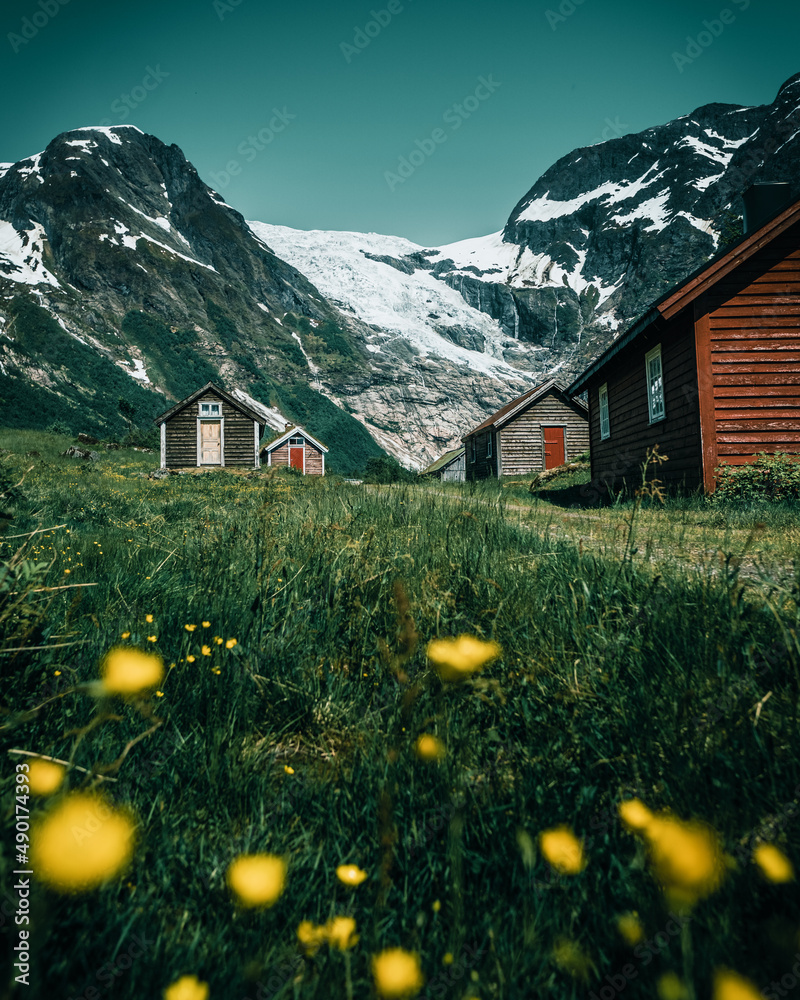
(763,202)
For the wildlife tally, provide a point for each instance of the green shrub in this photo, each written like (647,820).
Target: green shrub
(59,427)
(771,477)
(385,469)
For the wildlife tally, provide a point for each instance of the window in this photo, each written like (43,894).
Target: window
(473,451)
(297,442)
(655,384)
(489,446)
(211,409)
(602,399)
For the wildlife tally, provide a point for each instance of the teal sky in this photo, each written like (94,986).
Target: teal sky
(560,72)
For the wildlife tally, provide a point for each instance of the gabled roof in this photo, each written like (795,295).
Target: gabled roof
(226,396)
(516,406)
(444,461)
(294,432)
(697,284)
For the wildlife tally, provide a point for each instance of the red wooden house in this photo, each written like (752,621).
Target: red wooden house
(711,373)
(299,450)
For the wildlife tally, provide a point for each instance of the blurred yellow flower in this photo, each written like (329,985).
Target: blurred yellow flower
(81,842)
(350,874)
(152,638)
(670,987)
(731,986)
(206,624)
(397,973)
(218,640)
(686,858)
(430,748)
(190,659)
(187,988)
(447,958)
(456,659)
(206,651)
(159,694)
(635,814)
(257,880)
(190,628)
(436,905)
(569,956)
(45,776)
(148,619)
(230,643)
(773,863)
(630,928)
(125,635)
(341,933)
(56,673)
(128,671)
(563,850)
(310,937)
(287,769)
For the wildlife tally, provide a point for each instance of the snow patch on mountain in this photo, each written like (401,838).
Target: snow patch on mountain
(21,255)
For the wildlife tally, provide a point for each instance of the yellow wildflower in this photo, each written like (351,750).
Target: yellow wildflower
(563,850)
(148,619)
(206,651)
(81,843)
(125,635)
(341,933)
(447,958)
(456,659)
(187,988)
(190,628)
(159,694)
(350,874)
(397,973)
(436,905)
(731,986)
(773,863)
(218,640)
(630,927)
(635,814)
(430,748)
(686,858)
(128,671)
(152,638)
(56,673)
(45,776)
(230,643)
(287,769)
(670,987)
(190,659)
(206,624)
(257,880)
(310,937)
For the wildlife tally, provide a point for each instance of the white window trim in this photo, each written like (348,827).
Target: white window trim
(489,446)
(209,416)
(602,405)
(257,442)
(656,352)
(164,445)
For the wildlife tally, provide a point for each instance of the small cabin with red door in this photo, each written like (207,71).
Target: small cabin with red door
(711,373)
(297,449)
(541,429)
(210,428)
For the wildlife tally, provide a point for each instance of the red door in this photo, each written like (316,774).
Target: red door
(296,458)
(553,446)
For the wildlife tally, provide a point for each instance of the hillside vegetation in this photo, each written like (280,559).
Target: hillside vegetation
(627,670)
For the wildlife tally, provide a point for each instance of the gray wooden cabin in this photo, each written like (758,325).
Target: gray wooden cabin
(541,429)
(210,429)
(450,468)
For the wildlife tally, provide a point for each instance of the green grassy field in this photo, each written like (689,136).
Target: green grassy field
(645,652)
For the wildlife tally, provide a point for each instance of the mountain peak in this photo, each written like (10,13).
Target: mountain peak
(791,82)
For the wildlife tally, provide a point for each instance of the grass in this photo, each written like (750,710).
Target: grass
(630,666)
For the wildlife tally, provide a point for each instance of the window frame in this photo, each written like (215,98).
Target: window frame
(209,415)
(655,415)
(489,446)
(603,411)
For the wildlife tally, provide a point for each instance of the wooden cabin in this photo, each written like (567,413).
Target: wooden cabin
(450,468)
(711,373)
(297,449)
(541,429)
(210,429)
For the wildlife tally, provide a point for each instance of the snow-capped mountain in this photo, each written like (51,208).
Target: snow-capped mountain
(603,232)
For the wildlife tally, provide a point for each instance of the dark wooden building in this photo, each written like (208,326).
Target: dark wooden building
(450,468)
(711,373)
(299,450)
(210,428)
(539,430)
